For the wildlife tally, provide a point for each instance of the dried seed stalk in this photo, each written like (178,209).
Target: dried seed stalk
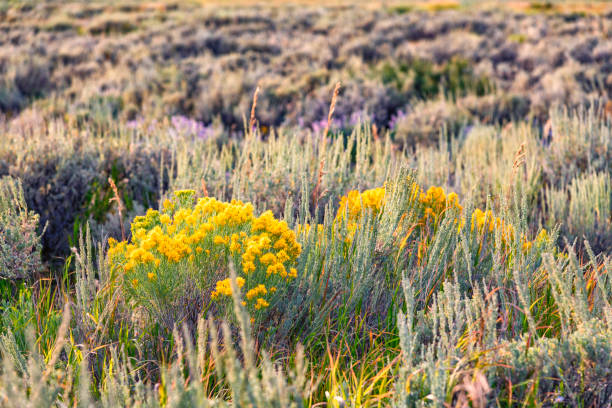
(119,206)
(332,108)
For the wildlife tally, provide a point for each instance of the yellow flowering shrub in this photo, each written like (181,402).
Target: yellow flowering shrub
(436,203)
(433,205)
(189,241)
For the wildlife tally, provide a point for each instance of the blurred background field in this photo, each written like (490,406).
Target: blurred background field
(438,176)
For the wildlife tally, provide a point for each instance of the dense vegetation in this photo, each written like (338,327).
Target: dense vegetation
(436,230)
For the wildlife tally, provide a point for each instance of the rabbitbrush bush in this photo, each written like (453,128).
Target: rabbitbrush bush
(19,238)
(189,245)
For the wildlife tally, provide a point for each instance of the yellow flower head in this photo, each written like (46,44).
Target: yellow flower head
(219,240)
(261,304)
(258,290)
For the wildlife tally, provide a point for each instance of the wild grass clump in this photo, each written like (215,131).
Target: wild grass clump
(476,362)
(457,343)
(578,142)
(30,379)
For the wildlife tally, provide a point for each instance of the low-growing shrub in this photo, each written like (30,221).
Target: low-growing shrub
(116,23)
(426,80)
(33,78)
(428,121)
(584,210)
(54,184)
(65,178)
(180,257)
(20,244)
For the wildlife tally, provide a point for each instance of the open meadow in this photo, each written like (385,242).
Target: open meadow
(305,204)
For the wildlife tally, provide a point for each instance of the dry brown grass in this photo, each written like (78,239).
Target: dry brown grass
(252,119)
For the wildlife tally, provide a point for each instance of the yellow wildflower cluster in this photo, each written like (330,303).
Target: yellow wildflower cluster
(259,290)
(436,202)
(199,238)
(224,287)
(354,203)
(261,304)
(271,247)
(353,206)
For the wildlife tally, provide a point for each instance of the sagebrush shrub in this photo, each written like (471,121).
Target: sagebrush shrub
(20,244)
(584,210)
(65,178)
